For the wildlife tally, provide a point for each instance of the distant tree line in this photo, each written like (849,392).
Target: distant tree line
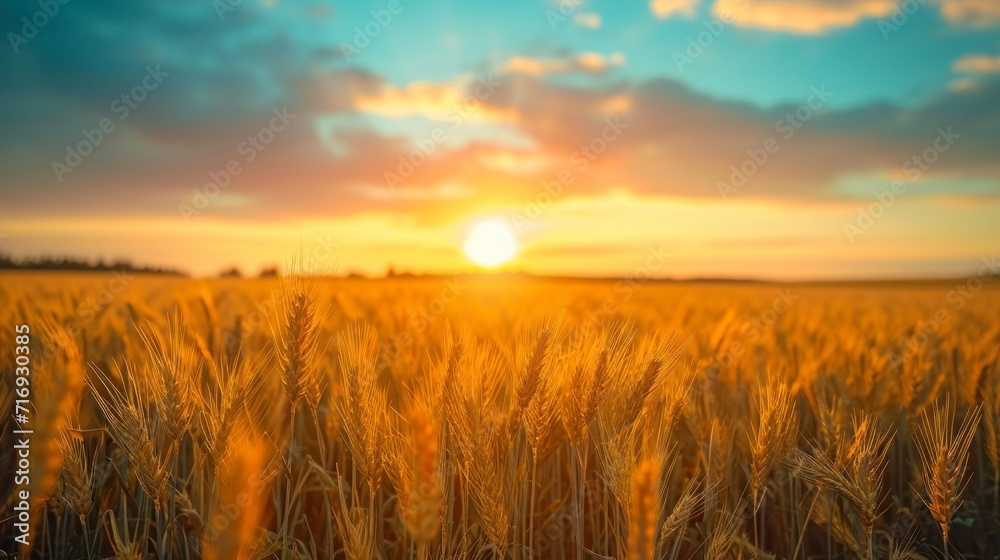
(70,263)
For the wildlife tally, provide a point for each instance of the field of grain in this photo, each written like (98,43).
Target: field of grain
(491,417)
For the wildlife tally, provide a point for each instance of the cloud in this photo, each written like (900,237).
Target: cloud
(675,143)
(457,101)
(589,20)
(584,63)
(978,63)
(976,13)
(663,9)
(354,126)
(805,17)
(418,98)
(515,162)
(444,191)
(962,84)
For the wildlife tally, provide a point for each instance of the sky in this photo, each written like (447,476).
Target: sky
(785,139)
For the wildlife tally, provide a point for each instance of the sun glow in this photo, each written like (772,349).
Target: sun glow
(490,244)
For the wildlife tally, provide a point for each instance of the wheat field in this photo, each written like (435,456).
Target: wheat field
(495,417)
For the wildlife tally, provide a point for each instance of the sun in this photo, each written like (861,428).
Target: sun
(490,244)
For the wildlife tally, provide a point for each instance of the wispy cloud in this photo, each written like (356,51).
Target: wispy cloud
(978,63)
(807,17)
(663,9)
(975,13)
(585,63)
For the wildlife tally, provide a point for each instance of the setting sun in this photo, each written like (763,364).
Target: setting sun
(490,244)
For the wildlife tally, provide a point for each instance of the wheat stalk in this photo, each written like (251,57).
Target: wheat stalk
(298,342)
(772,434)
(363,409)
(644,511)
(171,364)
(76,473)
(134,429)
(944,460)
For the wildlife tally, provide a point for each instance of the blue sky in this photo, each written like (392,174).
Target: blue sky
(745,64)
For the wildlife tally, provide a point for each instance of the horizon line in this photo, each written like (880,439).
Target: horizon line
(517,275)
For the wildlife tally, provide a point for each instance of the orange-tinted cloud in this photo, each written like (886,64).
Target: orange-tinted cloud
(663,9)
(589,20)
(808,17)
(976,13)
(418,98)
(673,142)
(978,63)
(586,63)
(530,128)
